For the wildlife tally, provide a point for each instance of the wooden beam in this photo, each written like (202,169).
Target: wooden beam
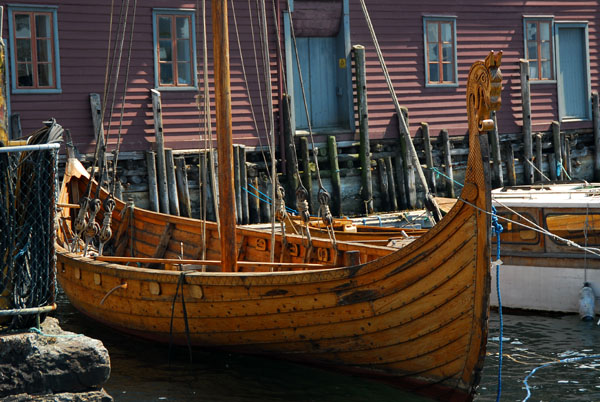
(526,105)
(244,185)
(539,157)
(430,174)
(183,190)
(171,183)
(448,163)
(596,118)
(391,184)
(236,183)
(509,158)
(497,178)
(306,172)
(161,166)
(363,124)
(336,183)
(384,191)
(152,185)
(556,141)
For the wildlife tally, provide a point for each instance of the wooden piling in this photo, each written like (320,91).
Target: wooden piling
(409,170)
(336,197)
(391,184)
(236,183)
(400,185)
(552,166)
(448,164)
(161,167)
(244,185)
(264,185)
(290,158)
(171,183)
(509,158)
(526,105)
(206,194)
(383,185)
(596,119)
(152,188)
(556,141)
(497,176)
(306,172)
(254,201)
(429,174)
(568,161)
(15,126)
(363,124)
(183,189)
(539,157)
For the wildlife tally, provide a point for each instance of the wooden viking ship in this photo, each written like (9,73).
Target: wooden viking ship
(415,317)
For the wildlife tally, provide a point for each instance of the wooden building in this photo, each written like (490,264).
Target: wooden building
(58,55)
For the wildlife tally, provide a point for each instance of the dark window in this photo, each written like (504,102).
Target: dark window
(174,49)
(538,49)
(33,42)
(440,51)
(516,228)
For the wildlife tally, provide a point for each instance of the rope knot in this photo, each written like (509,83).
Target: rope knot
(302,204)
(280,212)
(324,210)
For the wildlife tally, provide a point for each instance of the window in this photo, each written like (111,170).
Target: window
(175,52)
(583,229)
(538,49)
(440,50)
(34,49)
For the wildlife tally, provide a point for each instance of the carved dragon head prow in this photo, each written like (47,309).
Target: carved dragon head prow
(484,87)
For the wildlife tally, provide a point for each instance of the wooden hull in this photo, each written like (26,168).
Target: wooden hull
(416,317)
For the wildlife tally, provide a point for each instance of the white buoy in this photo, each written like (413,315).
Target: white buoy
(587,301)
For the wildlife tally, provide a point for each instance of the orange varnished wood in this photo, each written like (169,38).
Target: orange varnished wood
(415,317)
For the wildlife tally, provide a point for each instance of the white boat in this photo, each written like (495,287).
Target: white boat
(541,271)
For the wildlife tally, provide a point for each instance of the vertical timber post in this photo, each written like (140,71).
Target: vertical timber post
(363,124)
(409,169)
(161,167)
(335,176)
(391,183)
(254,201)
(227,216)
(171,183)
(383,185)
(236,183)
(428,157)
(292,181)
(306,172)
(556,140)
(527,140)
(183,189)
(497,179)
(509,157)
(152,189)
(244,185)
(539,157)
(448,163)
(596,118)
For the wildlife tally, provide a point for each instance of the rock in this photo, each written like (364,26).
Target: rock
(52,363)
(93,396)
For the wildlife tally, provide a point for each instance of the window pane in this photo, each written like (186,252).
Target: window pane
(546,70)
(166,51)
(544,31)
(447,53)
(42,26)
(23,50)
(532,50)
(44,50)
(433,52)
(531,31)
(183,50)
(447,32)
(545,50)
(533,70)
(184,74)
(434,72)
(448,72)
(432,32)
(22,28)
(166,74)
(164,27)
(45,75)
(183,27)
(25,75)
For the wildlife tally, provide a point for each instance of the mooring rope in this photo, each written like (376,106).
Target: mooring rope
(567,360)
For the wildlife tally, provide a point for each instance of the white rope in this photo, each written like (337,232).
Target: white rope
(538,170)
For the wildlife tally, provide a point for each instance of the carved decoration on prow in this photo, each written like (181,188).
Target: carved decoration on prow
(484,88)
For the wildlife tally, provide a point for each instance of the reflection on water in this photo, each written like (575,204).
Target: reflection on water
(141,370)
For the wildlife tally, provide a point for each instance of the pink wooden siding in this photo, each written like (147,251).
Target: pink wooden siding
(480,27)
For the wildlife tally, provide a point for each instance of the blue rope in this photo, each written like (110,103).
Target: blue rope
(437,171)
(567,360)
(39,332)
(558,169)
(497,228)
(267,199)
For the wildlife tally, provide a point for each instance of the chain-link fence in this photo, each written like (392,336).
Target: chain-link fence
(28,184)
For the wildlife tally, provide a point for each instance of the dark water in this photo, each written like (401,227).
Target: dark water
(141,371)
